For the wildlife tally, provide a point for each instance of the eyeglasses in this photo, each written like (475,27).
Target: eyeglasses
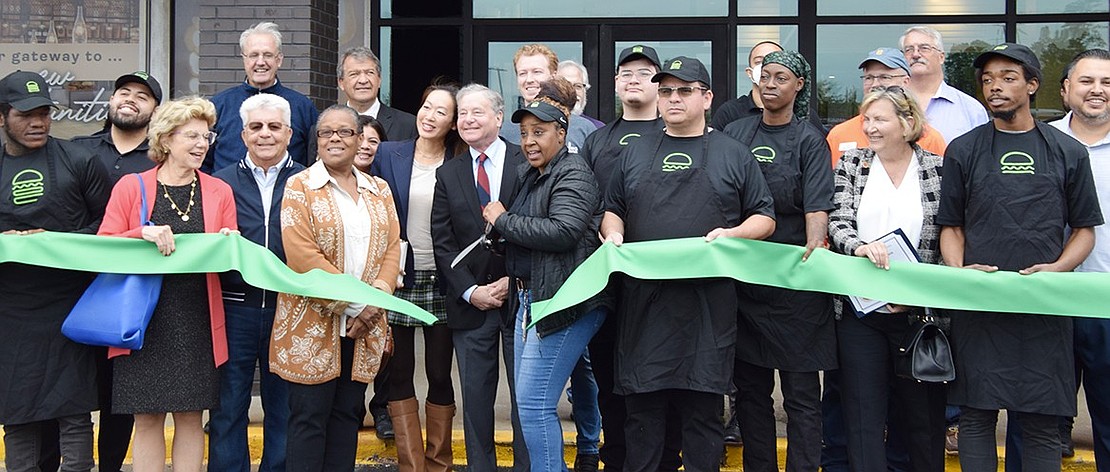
(581,86)
(267,56)
(209,137)
(274,127)
(894,89)
(922,48)
(342,132)
(642,74)
(682,91)
(880,78)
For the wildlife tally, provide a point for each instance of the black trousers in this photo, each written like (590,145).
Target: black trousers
(113,431)
(801,393)
(1040,440)
(438,355)
(699,422)
(324,420)
(611,405)
(869,389)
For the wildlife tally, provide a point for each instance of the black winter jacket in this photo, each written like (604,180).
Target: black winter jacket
(566,210)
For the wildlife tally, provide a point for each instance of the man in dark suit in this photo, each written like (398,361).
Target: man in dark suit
(477,287)
(360,78)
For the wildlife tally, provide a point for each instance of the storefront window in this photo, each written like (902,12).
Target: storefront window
(911,7)
(748,36)
(748,8)
(593,8)
(1064,6)
(1056,44)
(502,74)
(840,50)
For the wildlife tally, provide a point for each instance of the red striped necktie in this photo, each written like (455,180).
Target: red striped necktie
(483,181)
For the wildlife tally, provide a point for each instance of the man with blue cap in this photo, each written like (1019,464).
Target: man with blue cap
(883,68)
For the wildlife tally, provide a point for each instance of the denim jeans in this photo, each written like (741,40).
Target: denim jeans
(22,443)
(248,345)
(587,416)
(543,367)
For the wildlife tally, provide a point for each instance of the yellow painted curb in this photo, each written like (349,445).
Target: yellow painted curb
(374,451)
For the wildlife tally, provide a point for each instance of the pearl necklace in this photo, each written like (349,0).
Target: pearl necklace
(192,192)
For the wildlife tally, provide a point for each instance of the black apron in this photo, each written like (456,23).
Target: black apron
(675,334)
(1017,362)
(778,328)
(43,374)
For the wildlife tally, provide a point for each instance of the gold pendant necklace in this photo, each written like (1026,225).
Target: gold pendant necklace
(192,191)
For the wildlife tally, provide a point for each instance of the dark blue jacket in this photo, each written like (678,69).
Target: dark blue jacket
(248,209)
(393,163)
(230,149)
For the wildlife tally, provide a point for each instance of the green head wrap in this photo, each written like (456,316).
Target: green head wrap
(797,64)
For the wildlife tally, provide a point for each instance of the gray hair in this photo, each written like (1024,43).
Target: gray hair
(342,109)
(494,98)
(266,101)
(358,52)
(581,69)
(265,27)
(925,30)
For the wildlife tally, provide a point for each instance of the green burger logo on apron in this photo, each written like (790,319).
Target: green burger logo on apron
(764,154)
(1017,162)
(677,161)
(27,187)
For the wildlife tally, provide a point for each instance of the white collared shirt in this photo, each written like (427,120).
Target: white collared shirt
(357,225)
(372,111)
(1099,258)
(495,167)
(266,180)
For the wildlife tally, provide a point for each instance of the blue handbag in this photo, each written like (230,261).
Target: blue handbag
(116,308)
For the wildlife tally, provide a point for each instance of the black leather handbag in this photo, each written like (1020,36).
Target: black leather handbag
(924,354)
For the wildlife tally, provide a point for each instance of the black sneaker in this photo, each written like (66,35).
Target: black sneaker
(383,426)
(585,463)
(732,431)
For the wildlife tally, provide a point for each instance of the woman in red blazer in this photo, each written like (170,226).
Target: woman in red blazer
(175,371)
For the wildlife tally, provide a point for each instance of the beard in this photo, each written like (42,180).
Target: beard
(130,123)
(1005,115)
(1101,117)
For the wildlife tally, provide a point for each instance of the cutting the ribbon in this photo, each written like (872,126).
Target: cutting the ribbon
(196,253)
(780,265)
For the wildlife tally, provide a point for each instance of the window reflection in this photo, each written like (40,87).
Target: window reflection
(748,36)
(1055,45)
(502,75)
(840,50)
(1062,6)
(912,7)
(766,8)
(594,8)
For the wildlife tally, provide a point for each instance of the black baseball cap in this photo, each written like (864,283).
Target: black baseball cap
(142,77)
(544,111)
(684,68)
(25,91)
(1013,51)
(639,51)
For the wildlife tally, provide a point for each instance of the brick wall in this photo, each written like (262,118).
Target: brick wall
(310,35)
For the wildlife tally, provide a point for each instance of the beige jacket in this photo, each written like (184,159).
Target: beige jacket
(304,344)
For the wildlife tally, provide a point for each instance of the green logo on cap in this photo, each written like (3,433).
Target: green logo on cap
(676,65)
(639,49)
(142,75)
(534,105)
(32,87)
(1000,47)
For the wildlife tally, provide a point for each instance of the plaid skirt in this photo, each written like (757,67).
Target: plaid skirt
(425,295)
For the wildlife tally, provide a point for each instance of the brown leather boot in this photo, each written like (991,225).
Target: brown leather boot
(408,437)
(439,456)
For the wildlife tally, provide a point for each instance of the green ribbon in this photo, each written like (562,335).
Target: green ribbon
(780,265)
(195,253)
